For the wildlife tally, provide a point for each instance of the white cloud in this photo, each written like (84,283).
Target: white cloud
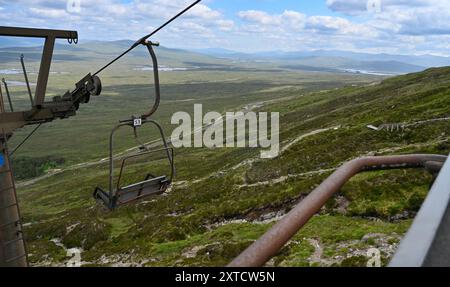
(401,26)
(260,17)
(352,7)
(295,21)
(204,12)
(405,26)
(113,19)
(327,23)
(409,17)
(49,13)
(225,25)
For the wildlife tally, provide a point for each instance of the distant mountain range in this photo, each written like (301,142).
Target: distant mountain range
(333,60)
(319,61)
(419,60)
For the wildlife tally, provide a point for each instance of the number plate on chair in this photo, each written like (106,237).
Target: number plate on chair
(137,122)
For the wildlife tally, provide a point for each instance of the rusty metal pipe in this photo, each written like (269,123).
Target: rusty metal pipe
(273,240)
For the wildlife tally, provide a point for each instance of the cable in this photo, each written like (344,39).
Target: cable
(140,41)
(137,43)
(27,137)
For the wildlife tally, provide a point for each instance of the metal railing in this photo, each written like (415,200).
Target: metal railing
(274,239)
(427,242)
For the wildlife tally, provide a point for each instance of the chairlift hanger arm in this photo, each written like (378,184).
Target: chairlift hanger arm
(145,116)
(156,76)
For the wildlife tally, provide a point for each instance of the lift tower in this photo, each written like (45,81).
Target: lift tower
(12,244)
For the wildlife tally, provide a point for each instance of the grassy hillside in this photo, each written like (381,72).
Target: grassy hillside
(218,84)
(223,199)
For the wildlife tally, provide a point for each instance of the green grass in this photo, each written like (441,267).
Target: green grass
(119,226)
(194,215)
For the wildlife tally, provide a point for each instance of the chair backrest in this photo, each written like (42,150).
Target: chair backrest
(125,160)
(166,149)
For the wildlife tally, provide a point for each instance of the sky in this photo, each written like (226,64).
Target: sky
(373,26)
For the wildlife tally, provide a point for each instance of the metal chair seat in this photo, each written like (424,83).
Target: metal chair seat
(150,186)
(154,186)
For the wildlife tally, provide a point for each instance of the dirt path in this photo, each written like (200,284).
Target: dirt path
(399,148)
(286,177)
(250,161)
(321,171)
(247,162)
(427,121)
(288,146)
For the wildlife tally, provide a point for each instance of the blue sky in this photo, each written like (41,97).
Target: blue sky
(390,26)
(232,7)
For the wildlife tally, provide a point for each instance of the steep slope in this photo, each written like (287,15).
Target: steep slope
(225,198)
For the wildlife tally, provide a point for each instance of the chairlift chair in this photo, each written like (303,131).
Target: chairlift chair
(151,185)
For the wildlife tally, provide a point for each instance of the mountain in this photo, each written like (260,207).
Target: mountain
(102,51)
(343,60)
(216,52)
(339,65)
(319,61)
(419,60)
(19,42)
